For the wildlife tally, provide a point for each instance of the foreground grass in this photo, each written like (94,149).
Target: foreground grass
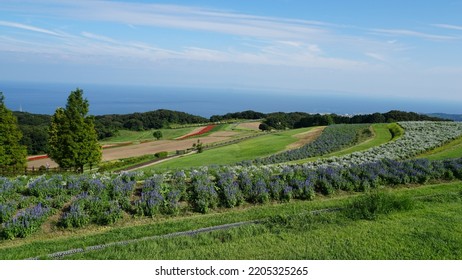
(269,241)
(450,150)
(431,229)
(246,150)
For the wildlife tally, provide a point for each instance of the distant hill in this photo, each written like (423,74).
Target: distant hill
(453,117)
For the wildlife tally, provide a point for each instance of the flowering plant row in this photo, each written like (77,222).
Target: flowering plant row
(333,138)
(206,129)
(418,138)
(209,188)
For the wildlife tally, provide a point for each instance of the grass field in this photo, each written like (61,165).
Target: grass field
(430,229)
(249,149)
(450,150)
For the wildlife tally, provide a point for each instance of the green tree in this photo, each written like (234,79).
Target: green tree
(157,134)
(73,140)
(11,152)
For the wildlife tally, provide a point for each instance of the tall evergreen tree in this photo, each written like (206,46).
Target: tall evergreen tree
(11,152)
(73,139)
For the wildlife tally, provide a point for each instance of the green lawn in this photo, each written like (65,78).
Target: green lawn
(452,149)
(246,150)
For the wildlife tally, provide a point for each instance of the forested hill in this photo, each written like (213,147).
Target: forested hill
(454,117)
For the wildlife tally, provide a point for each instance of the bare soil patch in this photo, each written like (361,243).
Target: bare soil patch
(152,147)
(306,137)
(249,125)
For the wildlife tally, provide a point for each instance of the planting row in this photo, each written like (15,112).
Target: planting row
(101,200)
(333,138)
(204,130)
(418,138)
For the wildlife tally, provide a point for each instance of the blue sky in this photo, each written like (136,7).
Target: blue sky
(371,48)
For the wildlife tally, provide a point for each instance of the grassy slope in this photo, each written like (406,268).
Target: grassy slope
(452,149)
(245,150)
(430,230)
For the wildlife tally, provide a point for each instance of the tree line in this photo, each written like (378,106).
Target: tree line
(282,120)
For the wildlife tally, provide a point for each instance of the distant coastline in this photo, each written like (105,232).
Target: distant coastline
(44,98)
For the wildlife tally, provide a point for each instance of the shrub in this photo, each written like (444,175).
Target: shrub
(25,222)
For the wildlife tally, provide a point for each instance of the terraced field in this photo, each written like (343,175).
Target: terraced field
(313,208)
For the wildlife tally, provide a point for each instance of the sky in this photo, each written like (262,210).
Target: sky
(389,48)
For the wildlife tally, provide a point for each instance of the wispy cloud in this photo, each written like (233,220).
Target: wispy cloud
(376,56)
(280,41)
(412,33)
(29,28)
(448,26)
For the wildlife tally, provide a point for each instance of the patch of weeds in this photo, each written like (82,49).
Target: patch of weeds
(375,203)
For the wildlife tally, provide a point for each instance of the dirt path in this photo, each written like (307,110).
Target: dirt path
(306,137)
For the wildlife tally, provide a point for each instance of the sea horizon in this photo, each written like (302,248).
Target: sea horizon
(44,98)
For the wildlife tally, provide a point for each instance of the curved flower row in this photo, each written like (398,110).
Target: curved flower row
(333,138)
(418,138)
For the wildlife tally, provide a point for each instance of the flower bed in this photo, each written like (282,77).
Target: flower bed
(31,158)
(200,132)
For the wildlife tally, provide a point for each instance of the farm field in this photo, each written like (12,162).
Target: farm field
(248,149)
(139,143)
(50,214)
(135,144)
(381,135)
(138,136)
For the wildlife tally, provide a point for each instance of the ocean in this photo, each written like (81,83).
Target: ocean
(44,98)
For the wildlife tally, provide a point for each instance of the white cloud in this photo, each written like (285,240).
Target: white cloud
(449,26)
(375,56)
(29,28)
(411,33)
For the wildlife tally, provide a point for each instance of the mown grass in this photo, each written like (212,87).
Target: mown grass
(424,223)
(452,149)
(290,232)
(246,150)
